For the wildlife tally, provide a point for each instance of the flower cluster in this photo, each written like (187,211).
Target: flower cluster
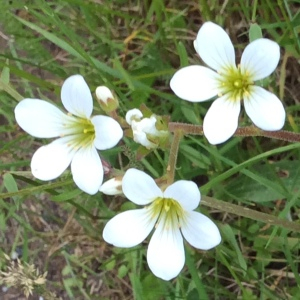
(170,210)
(146,131)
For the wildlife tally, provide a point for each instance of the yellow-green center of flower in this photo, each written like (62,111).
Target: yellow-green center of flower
(235,83)
(81,132)
(169,211)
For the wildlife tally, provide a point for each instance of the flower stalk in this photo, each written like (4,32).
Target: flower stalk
(178,133)
(283,135)
(249,213)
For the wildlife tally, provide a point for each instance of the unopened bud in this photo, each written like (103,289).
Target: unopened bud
(112,186)
(106,99)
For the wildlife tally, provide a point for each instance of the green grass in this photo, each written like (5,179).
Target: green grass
(134,47)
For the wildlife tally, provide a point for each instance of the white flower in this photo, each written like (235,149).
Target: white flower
(144,129)
(171,213)
(231,83)
(79,136)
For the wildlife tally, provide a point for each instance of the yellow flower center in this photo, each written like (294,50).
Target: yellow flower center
(235,83)
(169,212)
(80,131)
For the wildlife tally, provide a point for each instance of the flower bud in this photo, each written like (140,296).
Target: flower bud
(106,99)
(112,186)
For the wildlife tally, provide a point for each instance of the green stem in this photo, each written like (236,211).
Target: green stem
(283,135)
(253,19)
(173,156)
(36,189)
(205,10)
(249,213)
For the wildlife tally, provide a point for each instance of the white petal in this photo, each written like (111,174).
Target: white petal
(200,231)
(165,253)
(133,114)
(87,170)
(40,118)
(194,83)
(185,192)
(140,137)
(214,46)
(50,161)
(76,97)
(128,228)
(108,132)
(221,120)
(139,187)
(103,93)
(260,58)
(264,109)
(146,125)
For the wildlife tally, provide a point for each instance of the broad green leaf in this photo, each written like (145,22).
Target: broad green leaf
(255,32)
(286,172)
(153,288)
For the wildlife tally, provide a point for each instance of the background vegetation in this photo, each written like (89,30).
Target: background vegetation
(134,47)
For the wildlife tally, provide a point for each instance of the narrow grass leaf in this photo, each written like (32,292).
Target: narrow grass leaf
(11,186)
(231,239)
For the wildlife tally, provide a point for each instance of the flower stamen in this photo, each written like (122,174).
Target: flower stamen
(168,210)
(81,132)
(234,83)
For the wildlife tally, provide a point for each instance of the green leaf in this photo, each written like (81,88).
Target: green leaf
(122,271)
(184,61)
(66,195)
(10,183)
(236,168)
(255,32)
(5,74)
(153,288)
(11,186)
(227,232)
(136,286)
(2,222)
(281,173)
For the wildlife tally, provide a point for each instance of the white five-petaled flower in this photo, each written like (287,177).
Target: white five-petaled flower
(231,83)
(80,135)
(171,213)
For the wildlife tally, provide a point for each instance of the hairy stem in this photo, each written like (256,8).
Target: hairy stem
(249,213)
(173,156)
(283,135)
